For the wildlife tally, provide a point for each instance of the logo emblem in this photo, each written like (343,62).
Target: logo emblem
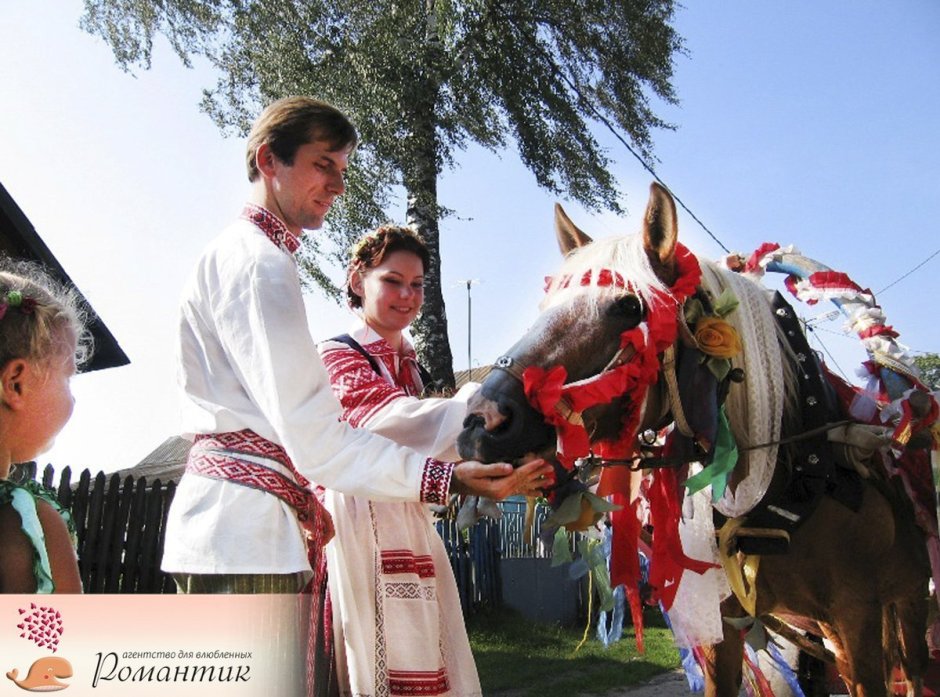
(43,627)
(43,675)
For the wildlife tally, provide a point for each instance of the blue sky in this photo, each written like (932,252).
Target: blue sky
(806,123)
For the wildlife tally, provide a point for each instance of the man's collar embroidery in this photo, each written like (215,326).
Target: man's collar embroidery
(272,226)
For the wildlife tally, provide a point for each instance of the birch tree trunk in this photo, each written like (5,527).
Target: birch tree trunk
(420,176)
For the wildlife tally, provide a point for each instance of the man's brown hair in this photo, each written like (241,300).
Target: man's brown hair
(291,122)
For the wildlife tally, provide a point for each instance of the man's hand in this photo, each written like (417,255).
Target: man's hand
(499,480)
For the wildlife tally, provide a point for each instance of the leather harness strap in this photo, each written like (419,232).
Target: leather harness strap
(672,392)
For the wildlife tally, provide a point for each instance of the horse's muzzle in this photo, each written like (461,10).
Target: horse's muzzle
(500,425)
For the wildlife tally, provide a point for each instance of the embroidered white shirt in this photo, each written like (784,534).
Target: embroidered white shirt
(247,360)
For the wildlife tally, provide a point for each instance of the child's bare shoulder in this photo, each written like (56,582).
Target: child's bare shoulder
(19,559)
(16,553)
(62,559)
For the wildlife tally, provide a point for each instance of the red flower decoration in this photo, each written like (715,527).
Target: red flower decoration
(753,263)
(690,273)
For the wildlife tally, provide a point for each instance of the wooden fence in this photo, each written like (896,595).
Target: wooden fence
(120,528)
(474,557)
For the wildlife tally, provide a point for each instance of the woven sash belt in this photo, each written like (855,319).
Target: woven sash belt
(222,456)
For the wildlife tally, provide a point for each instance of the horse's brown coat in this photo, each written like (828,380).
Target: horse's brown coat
(861,577)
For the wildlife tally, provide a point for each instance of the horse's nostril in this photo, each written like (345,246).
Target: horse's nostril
(507,414)
(474,421)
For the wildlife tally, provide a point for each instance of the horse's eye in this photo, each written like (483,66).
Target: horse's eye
(627,306)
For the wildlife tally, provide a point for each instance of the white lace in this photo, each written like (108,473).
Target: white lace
(755,407)
(696,614)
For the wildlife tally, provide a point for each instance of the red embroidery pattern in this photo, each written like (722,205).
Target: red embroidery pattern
(410,591)
(435,481)
(227,466)
(247,442)
(272,226)
(363,393)
(248,474)
(418,682)
(360,390)
(408,377)
(404,561)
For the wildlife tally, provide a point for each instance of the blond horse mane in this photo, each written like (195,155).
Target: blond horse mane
(624,255)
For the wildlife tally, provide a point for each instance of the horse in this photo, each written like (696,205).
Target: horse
(615,317)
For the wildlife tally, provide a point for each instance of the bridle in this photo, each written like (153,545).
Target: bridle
(630,372)
(564,406)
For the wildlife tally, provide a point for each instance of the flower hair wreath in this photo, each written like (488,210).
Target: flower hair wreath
(14,298)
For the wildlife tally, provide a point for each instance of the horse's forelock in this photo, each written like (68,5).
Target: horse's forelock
(623,255)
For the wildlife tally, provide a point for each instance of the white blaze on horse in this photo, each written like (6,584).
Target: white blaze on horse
(636,333)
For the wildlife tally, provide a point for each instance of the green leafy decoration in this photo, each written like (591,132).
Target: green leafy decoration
(726,303)
(561,549)
(722,464)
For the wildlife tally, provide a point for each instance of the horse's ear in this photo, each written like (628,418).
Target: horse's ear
(660,232)
(569,235)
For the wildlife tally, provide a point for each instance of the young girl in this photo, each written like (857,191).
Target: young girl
(396,611)
(42,338)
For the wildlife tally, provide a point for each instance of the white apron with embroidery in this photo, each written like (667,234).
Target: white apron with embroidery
(397,621)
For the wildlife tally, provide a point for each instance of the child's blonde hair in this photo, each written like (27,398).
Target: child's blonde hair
(39,317)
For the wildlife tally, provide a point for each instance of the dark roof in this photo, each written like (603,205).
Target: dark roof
(18,239)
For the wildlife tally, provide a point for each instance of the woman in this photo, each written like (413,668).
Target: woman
(396,612)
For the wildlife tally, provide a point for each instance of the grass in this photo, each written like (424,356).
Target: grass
(518,657)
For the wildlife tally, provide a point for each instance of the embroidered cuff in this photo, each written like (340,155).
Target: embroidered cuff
(435,483)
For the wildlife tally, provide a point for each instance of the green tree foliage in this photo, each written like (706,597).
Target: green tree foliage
(422,79)
(929,366)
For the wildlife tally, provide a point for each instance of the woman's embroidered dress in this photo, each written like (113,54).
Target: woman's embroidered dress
(397,622)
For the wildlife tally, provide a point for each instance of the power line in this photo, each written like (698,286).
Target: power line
(812,330)
(844,335)
(894,283)
(600,117)
(646,166)
(825,317)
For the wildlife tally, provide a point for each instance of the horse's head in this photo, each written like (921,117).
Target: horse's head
(591,355)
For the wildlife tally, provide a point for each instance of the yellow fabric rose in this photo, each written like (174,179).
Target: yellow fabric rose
(717,338)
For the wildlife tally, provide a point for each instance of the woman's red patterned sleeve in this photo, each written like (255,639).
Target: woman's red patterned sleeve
(361,391)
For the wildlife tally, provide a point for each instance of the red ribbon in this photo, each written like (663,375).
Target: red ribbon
(908,425)
(544,390)
(625,565)
(753,263)
(669,561)
(878,330)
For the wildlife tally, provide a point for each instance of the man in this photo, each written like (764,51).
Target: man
(258,400)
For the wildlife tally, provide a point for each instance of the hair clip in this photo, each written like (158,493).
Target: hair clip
(14,298)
